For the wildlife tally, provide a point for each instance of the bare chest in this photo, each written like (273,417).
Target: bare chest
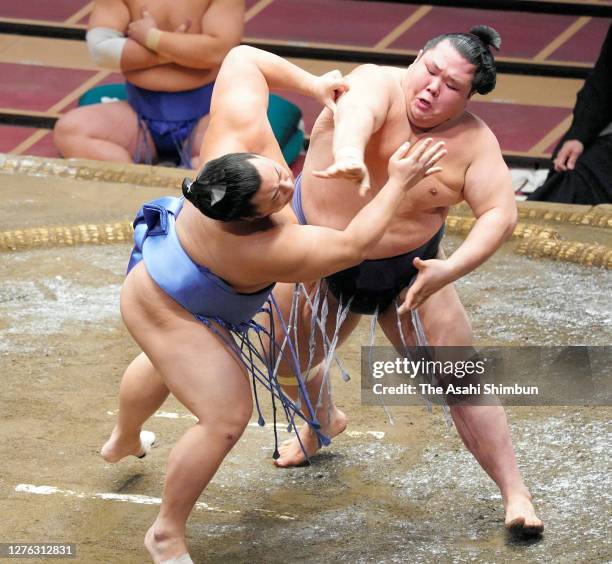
(170,15)
(442,189)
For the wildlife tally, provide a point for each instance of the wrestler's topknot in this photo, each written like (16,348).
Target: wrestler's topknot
(474,47)
(223,189)
(487,35)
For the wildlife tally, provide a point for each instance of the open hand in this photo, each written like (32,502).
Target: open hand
(433,275)
(348,164)
(408,166)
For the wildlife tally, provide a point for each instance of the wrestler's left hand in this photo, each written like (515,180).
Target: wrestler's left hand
(328,87)
(138,29)
(433,275)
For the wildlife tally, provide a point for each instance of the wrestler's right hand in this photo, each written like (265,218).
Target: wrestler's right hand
(408,167)
(328,87)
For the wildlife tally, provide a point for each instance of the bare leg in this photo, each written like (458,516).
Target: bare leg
(483,429)
(332,420)
(200,371)
(106,132)
(209,381)
(141,394)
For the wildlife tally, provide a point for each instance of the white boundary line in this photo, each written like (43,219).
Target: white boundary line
(171,415)
(134,498)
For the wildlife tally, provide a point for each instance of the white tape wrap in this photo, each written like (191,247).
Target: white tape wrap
(105,46)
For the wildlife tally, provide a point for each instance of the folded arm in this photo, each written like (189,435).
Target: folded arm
(108,45)
(221,29)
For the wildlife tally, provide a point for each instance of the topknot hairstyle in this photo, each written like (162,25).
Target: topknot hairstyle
(223,189)
(474,47)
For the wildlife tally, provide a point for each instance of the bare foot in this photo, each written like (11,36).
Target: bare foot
(166,550)
(521,517)
(115,448)
(291,453)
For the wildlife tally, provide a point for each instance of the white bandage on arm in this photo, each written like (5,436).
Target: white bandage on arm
(105,46)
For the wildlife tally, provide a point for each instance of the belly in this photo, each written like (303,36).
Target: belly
(170,78)
(334,203)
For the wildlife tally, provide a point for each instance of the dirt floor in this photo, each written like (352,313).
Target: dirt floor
(401,492)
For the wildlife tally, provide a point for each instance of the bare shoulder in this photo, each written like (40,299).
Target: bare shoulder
(370,72)
(394,73)
(479,131)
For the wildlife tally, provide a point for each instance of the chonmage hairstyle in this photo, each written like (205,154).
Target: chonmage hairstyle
(223,189)
(474,47)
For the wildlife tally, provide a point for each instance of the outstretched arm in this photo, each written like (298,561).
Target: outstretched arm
(306,252)
(488,191)
(240,99)
(359,114)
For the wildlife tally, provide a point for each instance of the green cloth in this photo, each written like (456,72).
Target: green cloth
(94,95)
(295,145)
(284,117)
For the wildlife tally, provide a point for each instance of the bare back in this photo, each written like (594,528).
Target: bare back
(238,124)
(333,202)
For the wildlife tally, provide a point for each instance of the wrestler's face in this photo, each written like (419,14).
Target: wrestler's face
(438,86)
(276,188)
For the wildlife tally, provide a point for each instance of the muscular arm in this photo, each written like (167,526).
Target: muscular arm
(114,14)
(240,100)
(305,252)
(222,27)
(488,191)
(359,113)
(301,253)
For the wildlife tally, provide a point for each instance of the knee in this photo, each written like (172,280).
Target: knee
(230,425)
(453,328)
(66,129)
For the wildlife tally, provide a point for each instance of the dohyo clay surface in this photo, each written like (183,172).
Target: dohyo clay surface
(381,492)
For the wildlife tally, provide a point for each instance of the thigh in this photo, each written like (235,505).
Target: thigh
(196,363)
(115,122)
(444,319)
